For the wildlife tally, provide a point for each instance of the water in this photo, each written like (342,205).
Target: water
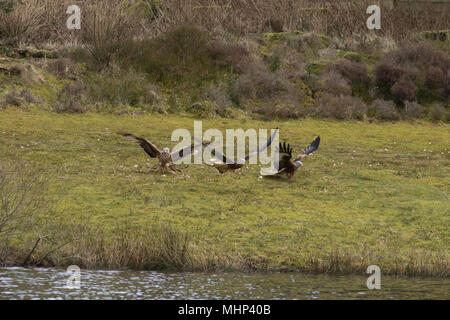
(48,283)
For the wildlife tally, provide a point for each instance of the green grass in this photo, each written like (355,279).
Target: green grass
(374,193)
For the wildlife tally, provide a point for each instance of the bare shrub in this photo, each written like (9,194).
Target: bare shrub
(437,111)
(173,57)
(420,55)
(385,110)
(54,18)
(342,19)
(413,109)
(220,97)
(261,84)
(293,103)
(23,22)
(234,54)
(107,30)
(13,98)
(334,83)
(435,78)
(151,94)
(73,89)
(69,105)
(22,198)
(387,73)
(404,89)
(63,68)
(273,25)
(413,66)
(354,72)
(16,99)
(341,107)
(71,99)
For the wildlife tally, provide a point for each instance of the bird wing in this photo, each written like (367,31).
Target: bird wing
(229,164)
(184,152)
(262,147)
(148,147)
(309,149)
(284,155)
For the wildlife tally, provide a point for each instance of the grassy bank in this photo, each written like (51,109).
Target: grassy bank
(374,193)
(72,191)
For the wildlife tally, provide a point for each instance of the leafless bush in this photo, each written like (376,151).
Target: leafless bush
(343,19)
(220,97)
(261,84)
(151,94)
(412,66)
(437,111)
(404,89)
(387,73)
(341,107)
(13,99)
(63,68)
(228,53)
(73,89)
(107,29)
(413,109)
(70,105)
(352,71)
(16,99)
(273,25)
(54,18)
(385,110)
(435,78)
(23,22)
(293,103)
(22,198)
(72,99)
(28,96)
(333,83)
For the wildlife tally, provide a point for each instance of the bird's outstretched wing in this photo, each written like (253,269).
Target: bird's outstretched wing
(148,147)
(309,149)
(262,147)
(284,159)
(284,155)
(184,152)
(229,164)
(285,162)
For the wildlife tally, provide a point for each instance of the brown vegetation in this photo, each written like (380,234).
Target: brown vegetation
(202,50)
(341,107)
(414,71)
(14,98)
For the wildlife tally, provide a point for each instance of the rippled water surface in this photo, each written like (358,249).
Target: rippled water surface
(43,283)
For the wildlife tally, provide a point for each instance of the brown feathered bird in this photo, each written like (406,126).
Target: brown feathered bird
(165,157)
(285,163)
(230,165)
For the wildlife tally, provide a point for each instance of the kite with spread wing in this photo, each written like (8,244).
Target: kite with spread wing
(285,163)
(231,165)
(165,158)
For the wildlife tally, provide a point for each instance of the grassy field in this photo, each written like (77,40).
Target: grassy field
(374,193)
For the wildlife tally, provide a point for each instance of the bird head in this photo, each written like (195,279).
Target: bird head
(166,149)
(298,163)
